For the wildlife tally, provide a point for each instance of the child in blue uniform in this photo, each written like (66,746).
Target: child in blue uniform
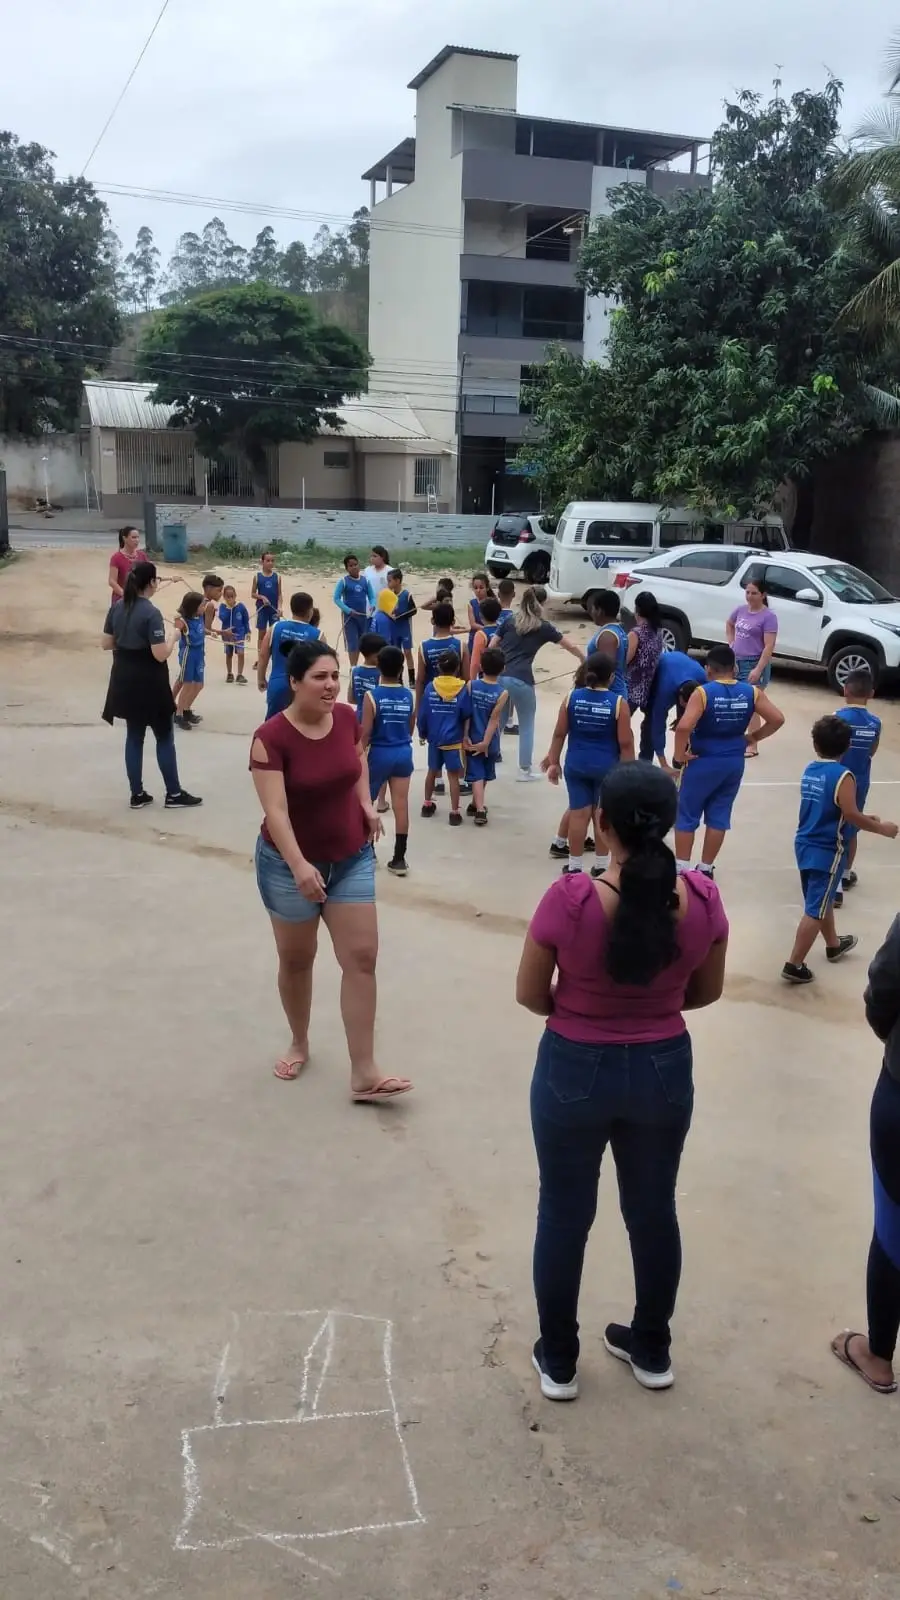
(865,733)
(381,622)
(594,723)
(484,633)
(266,591)
(443,723)
(677,675)
(367,674)
(431,650)
(401,620)
(827,807)
(298,628)
(715,725)
(388,719)
(191,625)
(355,599)
(610,638)
(234,622)
(481,588)
(488,699)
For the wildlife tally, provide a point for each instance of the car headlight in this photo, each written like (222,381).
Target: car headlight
(889,627)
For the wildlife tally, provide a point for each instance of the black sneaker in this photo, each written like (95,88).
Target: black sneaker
(440,787)
(707,872)
(470,809)
(398,867)
(792,973)
(429,809)
(571,872)
(240,678)
(843,947)
(229,677)
(138,801)
(512,731)
(589,847)
(182,722)
(192,718)
(553,1388)
(559,852)
(849,880)
(617,1340)
(455,819)
(465,787)
(838,900)
(182,800)
(598,872)
(481,818)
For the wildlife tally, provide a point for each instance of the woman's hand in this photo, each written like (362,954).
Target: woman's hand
(374,825)
(310,882)
(179,624)
(755,675)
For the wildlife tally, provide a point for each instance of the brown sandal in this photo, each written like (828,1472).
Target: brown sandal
(840,1346)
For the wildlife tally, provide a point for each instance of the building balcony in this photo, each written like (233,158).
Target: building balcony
(496,424)
(517,270)
(526,180)
(513,346)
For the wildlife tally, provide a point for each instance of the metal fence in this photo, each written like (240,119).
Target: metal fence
(174,468)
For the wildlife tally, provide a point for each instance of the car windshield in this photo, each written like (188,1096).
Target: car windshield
(853,587)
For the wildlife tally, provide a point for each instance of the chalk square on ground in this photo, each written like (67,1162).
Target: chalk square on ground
(298,1480)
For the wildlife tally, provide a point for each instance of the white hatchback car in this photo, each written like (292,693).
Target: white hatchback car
(520,546)
(829,613)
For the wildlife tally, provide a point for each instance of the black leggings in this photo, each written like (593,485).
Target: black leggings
(883,1274)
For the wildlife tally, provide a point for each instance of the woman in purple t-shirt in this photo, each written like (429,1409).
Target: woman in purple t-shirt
(630,953)
(752,631)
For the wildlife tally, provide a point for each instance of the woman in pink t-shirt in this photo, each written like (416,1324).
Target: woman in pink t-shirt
(630,953)
(126,557)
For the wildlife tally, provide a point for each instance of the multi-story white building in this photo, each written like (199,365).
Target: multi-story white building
(474,245)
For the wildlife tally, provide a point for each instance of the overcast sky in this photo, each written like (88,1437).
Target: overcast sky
(287,101)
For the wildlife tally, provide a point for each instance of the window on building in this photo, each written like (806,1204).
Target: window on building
(546,238)
(337,458)
(621,534)
(427,477)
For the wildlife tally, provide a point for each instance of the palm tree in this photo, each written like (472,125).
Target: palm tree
(867,184)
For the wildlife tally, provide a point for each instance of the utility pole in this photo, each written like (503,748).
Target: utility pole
(459,433)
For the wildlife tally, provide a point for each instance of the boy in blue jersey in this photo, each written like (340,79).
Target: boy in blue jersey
(674,672)
(277,645)
(715,725)
(401,620)
(191,624)
(388,719)
(610,638)
(443,723)
(431,650)
(234,622)
(594,723)
(355,599)
(367,673)
(266,592)
(488,699)
(865,733)
(828,806)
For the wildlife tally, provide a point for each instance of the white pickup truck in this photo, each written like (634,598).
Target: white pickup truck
(829,614)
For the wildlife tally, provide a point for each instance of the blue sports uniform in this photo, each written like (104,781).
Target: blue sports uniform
(433,649)
(445,707)
(192,651)
(401,620)
(266,599)
(483,697)
(354,598)
(361,679)
(820,843)
(390,747)
(476,612)
(618,683)
(865,731)
(382,625)
(675,668)
(592,744)
(234,620)
(709,783)
(287,632)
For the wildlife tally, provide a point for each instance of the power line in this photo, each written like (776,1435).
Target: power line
(126,86)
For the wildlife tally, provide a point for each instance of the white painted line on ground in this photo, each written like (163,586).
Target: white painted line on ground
(326,1363)
(220,1387)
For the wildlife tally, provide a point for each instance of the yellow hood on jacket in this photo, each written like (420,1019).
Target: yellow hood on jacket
(387,601)
(448,688)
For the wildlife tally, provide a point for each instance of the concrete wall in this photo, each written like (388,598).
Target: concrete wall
(337,530)
(856,515)
(325,486)
(597,308)
(68,457)
(492,230)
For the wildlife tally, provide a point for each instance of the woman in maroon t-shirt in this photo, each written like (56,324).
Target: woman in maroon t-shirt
(314,858)
(126,557)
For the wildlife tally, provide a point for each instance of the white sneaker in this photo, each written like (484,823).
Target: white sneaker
(528,775)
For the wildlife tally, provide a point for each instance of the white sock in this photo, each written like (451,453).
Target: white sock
(682,866)
(602,861)
(575,864)
(706,869)
(560,842)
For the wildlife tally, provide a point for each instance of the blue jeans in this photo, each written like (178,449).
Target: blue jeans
(165,756)
(638,1099)
(523,701)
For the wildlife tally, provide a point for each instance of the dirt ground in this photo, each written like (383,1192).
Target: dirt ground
(257,1342)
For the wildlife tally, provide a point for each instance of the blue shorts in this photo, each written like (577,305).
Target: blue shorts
(266,616)
(388,761)
(350,882)
(354,628)
(481,769)
(584,787)
(452,760)
(746,664)
(707,792)
(401,635)
(820,886)
(234,644)
(190,666)
(278,698)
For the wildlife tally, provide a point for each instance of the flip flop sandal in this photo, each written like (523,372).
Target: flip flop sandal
(842,1351)
(286,1070)
(386,1089)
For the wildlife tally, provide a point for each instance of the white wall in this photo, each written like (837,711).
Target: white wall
(494,230)
(336,530)
(597,308)
(27,471)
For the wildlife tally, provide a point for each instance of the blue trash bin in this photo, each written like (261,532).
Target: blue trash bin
(174,542)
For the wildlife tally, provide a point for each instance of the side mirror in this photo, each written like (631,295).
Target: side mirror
(808,597)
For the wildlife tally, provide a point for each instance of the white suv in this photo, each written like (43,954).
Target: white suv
(520,546)
(829,613)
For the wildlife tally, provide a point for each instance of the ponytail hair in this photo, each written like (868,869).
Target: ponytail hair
(596,672)
(142,574)
(529,613)
(638,805)
(646,606)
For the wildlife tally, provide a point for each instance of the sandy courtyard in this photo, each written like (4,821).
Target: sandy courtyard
(256,1342)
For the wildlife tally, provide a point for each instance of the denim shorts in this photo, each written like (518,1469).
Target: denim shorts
(746,664)
(350,882)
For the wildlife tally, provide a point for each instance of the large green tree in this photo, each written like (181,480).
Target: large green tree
(58,316)
(727,371)
(250,367)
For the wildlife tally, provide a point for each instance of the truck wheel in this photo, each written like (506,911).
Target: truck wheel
(537,569)
(675,635)
(851,658)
